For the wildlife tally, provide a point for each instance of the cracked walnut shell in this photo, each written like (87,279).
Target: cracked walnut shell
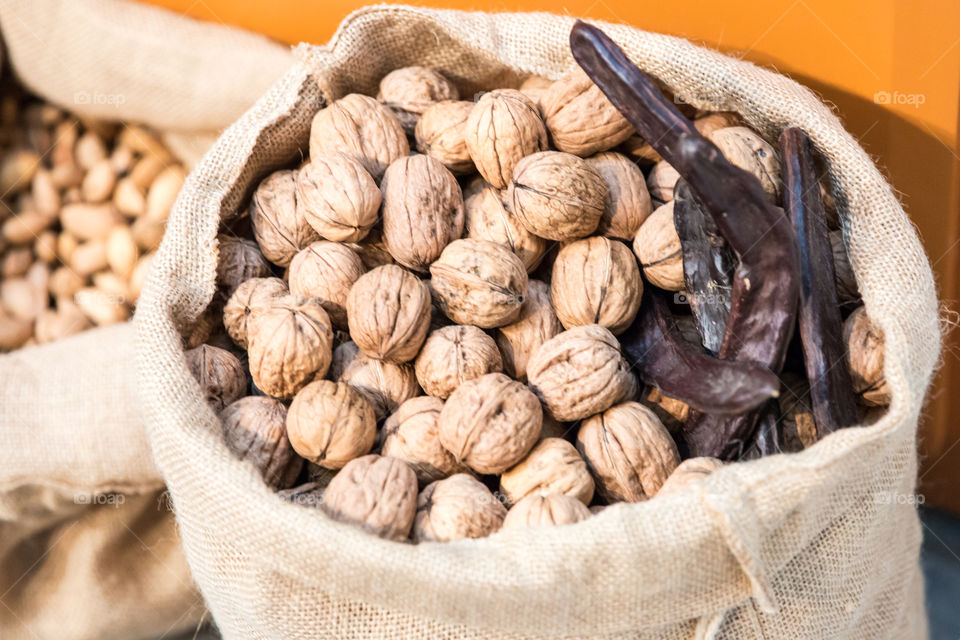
(503,127)
(412,434)
(488,219)
(384,384)
(658,248)
(326,271)
(337,197)
(580,118)
(219,373)
(455,508)
(255,430)
(278,223)
(412,90)
(452,355)
(250,299)
(439,134)
(388,311)
(551,509)
(376,493)
(331,423)
(628,202)
(536,324)
(552,466)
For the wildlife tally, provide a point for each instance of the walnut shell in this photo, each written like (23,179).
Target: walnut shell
(503,127)
(557,195)
(452,355)
(440,135)
(540,510)
(673,413)
(412,434)
(552,466)
(375,493)
(455,508)
(628,450)
(422,210)
(250,298)
(687,473)
(490,423)
(488,219)
(536,324)
(255,430)
(279,226)
(219,373)
(581,120)
(362,128)
(384,384)
(865,346)
(290,344)
(373,251)
(580,372)
(331,423)
(412,90)
(711,122)
(658,248)
(661,181)
(479,282)
(534,87)
(343,354)
(238,260)
(326,271)
(747,150)
(388,311)
(628,202)
(596,281)
(337,197)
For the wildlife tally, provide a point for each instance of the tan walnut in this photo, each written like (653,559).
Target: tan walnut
(546,509)
(219,373)
(343,354)
(658,248)
(688,473)
(488,219)
(865,347)
(452,355)
(238,260)
(326,271)
(412,434)
(455,508)
(581,120)
(628,202)
(255,430)
(376,494)
(661,181)
(249,300)
(337,197)
(503,127)
(331,423)
(746,149)
(536,324)
(412,90)
(385,385)
(440,134)
(279,226)
(552,466)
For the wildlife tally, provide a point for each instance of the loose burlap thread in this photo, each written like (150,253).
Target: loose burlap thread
(810,545)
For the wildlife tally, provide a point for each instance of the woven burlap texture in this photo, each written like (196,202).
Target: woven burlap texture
(813,545)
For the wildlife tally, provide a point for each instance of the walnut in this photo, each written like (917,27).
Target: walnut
(672,412)
(628,450)
(422,210)
(375,493)
(326,271)
(452,355)
(747,150)
(536,324)
(455,508)
(580,372)
(711,122)
(479,282)
(581,120)
(503,127)
(250,298)
(534,87)
(488,219)
(384,384)
(238,260)
(490,423)
(662,181)
(596,281)
(557,196)
(219,373)
(337,197)
(539,510)
(372,251)
(412,434)
(362,128)
(628,202)
(640,151)
(290,344)
(278,223)
(388,311)
(255,430)
(331,423)
(687,473)
(552,466)
(865,346)
(412,90)
(658,248)
(440,134)
(344,354)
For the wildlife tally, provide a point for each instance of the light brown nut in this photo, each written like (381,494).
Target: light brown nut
(440,134)
(255,430)
(46,198)
(422,210)
(98,184)
(290,344)
(658,248)
(238,260)
(101,307)
(111,283)
(90,150)
(534,87)
(672,412)
(24,227)
(89,221)
(67,320)
(362,128)
(122,251)
(65,282)
(22,299)
(557,195)
(711,122)
(388,311)
(865,346)
(596,281)
(147,233)
(662,181)
(13,331)
(540,510)
(628,202)
(128,198)
(688,473)
(279,225)
(337,197)
(330,423)
(488,219)
(479,282)
(848,293)
(139,275)
(452,355)
(629,452)
(580,372)
(490,423)
(17,169)
(536,324)
(163,193)
(89,257)
(412,90)
(67,243)
(580,118)
(384,384)
(503,127)
(45,246)
(455,508)
(747,150)
(552,466)
(343,354)
(16,262)
(253,296)
(326,271)
(412,434)
(219,373)
(375,493)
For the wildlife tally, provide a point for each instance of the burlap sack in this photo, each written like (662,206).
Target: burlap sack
(820,544)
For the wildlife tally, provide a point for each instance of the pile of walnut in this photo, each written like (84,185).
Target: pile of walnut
(84,205)
(441,347)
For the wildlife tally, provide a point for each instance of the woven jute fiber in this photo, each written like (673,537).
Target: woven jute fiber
(820,544)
